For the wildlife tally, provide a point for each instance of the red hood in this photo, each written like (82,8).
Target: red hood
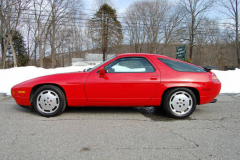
(60,79)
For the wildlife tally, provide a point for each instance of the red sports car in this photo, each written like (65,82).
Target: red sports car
(133,79)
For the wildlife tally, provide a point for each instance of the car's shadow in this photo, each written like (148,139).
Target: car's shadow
(99,110)
(154,113)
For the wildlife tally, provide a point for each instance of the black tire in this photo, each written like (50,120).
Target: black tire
(179,102)
(49,101)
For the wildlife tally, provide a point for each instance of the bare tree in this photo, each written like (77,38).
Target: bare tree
(231,10)
(29,29)
(195,10)
(10,15)
(207,40)
(145,22)
(3,34)
(156,16)
(61,11)
(89,38)
(42,18)
(136,29)
(173,26)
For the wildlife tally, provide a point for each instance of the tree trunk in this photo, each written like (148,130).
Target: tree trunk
(3,60)
(63,63)
(192,37)
(13,52)
(53,37)
(155,49)
(53,47)
(1,39)
(237,35)
(3,53)
(35,55)
(105,30)
(40,52)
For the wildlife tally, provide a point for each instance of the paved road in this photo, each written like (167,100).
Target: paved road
(212,132)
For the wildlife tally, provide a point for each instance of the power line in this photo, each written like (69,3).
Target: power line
(75,21)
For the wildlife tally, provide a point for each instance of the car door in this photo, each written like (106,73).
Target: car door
(126,79)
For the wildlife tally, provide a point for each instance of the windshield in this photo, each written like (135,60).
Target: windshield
(101,64)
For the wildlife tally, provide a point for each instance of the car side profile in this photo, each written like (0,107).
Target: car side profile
(130,79)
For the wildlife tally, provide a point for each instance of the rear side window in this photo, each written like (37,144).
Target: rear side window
(181,67)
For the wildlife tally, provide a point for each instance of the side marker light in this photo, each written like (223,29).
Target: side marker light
(21,92)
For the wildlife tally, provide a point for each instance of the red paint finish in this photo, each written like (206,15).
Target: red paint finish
(122,88)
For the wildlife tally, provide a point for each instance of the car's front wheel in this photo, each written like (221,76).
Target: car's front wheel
(49,101)
(180,102)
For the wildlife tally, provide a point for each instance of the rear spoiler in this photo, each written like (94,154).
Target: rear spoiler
(209,68)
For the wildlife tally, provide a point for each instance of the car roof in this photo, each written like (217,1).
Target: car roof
(142,54)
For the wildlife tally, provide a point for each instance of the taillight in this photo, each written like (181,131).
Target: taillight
(215,79)
(13,92)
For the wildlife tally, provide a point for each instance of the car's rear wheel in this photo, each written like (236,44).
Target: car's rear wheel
(49,101)
(180,102)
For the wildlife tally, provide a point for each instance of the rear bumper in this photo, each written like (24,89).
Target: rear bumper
(215,91)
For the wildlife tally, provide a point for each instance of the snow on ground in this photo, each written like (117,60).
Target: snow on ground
(230,80)
(9,77)
(12,76)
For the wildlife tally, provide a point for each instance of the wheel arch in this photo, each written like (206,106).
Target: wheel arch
(194,90)
(34,89)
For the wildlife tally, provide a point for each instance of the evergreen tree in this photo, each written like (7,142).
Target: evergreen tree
(20,49)
(106,29)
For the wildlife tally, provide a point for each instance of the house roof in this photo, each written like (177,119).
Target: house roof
(96,57)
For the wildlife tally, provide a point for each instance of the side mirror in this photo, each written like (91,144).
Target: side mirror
(102,73)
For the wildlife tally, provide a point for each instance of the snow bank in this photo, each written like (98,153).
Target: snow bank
(230,80)
(12,76)
(9,77)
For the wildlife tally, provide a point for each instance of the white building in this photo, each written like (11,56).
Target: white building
(90,59)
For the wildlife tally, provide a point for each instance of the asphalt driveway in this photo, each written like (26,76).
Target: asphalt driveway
(211,132)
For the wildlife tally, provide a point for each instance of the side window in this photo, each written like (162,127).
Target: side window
(181,67)
(130,65)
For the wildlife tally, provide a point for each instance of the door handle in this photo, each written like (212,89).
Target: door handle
(153,78)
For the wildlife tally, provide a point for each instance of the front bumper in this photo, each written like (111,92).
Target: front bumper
(22,99)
